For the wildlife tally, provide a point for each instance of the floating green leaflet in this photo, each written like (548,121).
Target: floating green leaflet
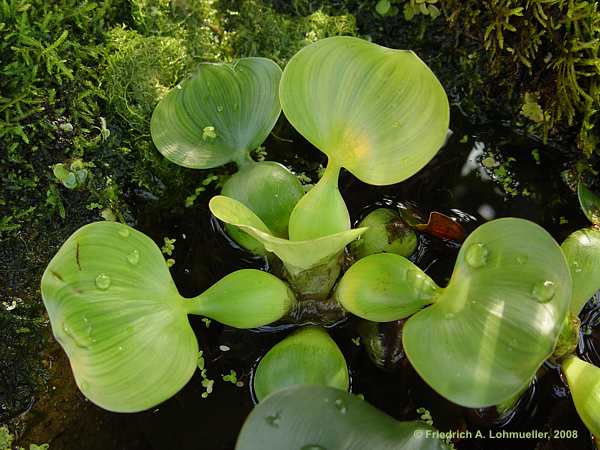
(219,115)
(380,113)
(499,318)
(308,356)
(324,418)
(115,310)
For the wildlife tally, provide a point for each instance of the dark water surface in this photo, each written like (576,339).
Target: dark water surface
(455,183)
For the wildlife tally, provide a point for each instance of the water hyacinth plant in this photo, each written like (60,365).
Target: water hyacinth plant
(380,114)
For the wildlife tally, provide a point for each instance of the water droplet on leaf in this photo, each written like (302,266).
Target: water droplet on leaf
(341,406)
(420,283)
(544,291)
(124,232)
(103,282)
(521,259)
(576,266)
(477,255)
(69,332)
(84,385)
(273,421)
(133,257)
(220,108)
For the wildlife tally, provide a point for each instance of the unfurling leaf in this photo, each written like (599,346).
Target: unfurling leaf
(297,256)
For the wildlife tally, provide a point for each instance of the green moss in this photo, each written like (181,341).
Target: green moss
(139,71)
(256,28)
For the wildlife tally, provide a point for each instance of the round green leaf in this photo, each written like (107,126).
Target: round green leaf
(584,384)
(246,298)
(117,314)
(322,211)
(271,191)
(385,287)
(308,356)
(387,232)
(324,418)
(296,255)
(582,250)
(590,203)
(380,113)
(499,318)
(218,115)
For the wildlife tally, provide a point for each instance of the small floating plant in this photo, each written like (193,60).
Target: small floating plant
(510,305)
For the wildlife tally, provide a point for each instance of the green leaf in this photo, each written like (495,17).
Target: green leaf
(322,211)
(590,203)
(582,250)
(499,318)
(380,113)
(219,115)
(307,356)
(246,298)
(296,255)
(387,232)
(115,310)
(117,314)
(584,384)
(385,287)
(271,191)
(325,418)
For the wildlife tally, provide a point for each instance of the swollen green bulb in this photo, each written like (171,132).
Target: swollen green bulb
(387,233)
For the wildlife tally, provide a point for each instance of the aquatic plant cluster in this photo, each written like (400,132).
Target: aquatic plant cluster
(381,114)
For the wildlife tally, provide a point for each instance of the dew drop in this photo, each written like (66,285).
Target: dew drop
(477,255)
(544,291)
(134,257)
(220,108)
(119,348)
(103,282)
(341,406)
(273,421)
(84,385)
(313,447)
(576,266)
(421,284)
(69,332)
(124,232)
(521,259)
